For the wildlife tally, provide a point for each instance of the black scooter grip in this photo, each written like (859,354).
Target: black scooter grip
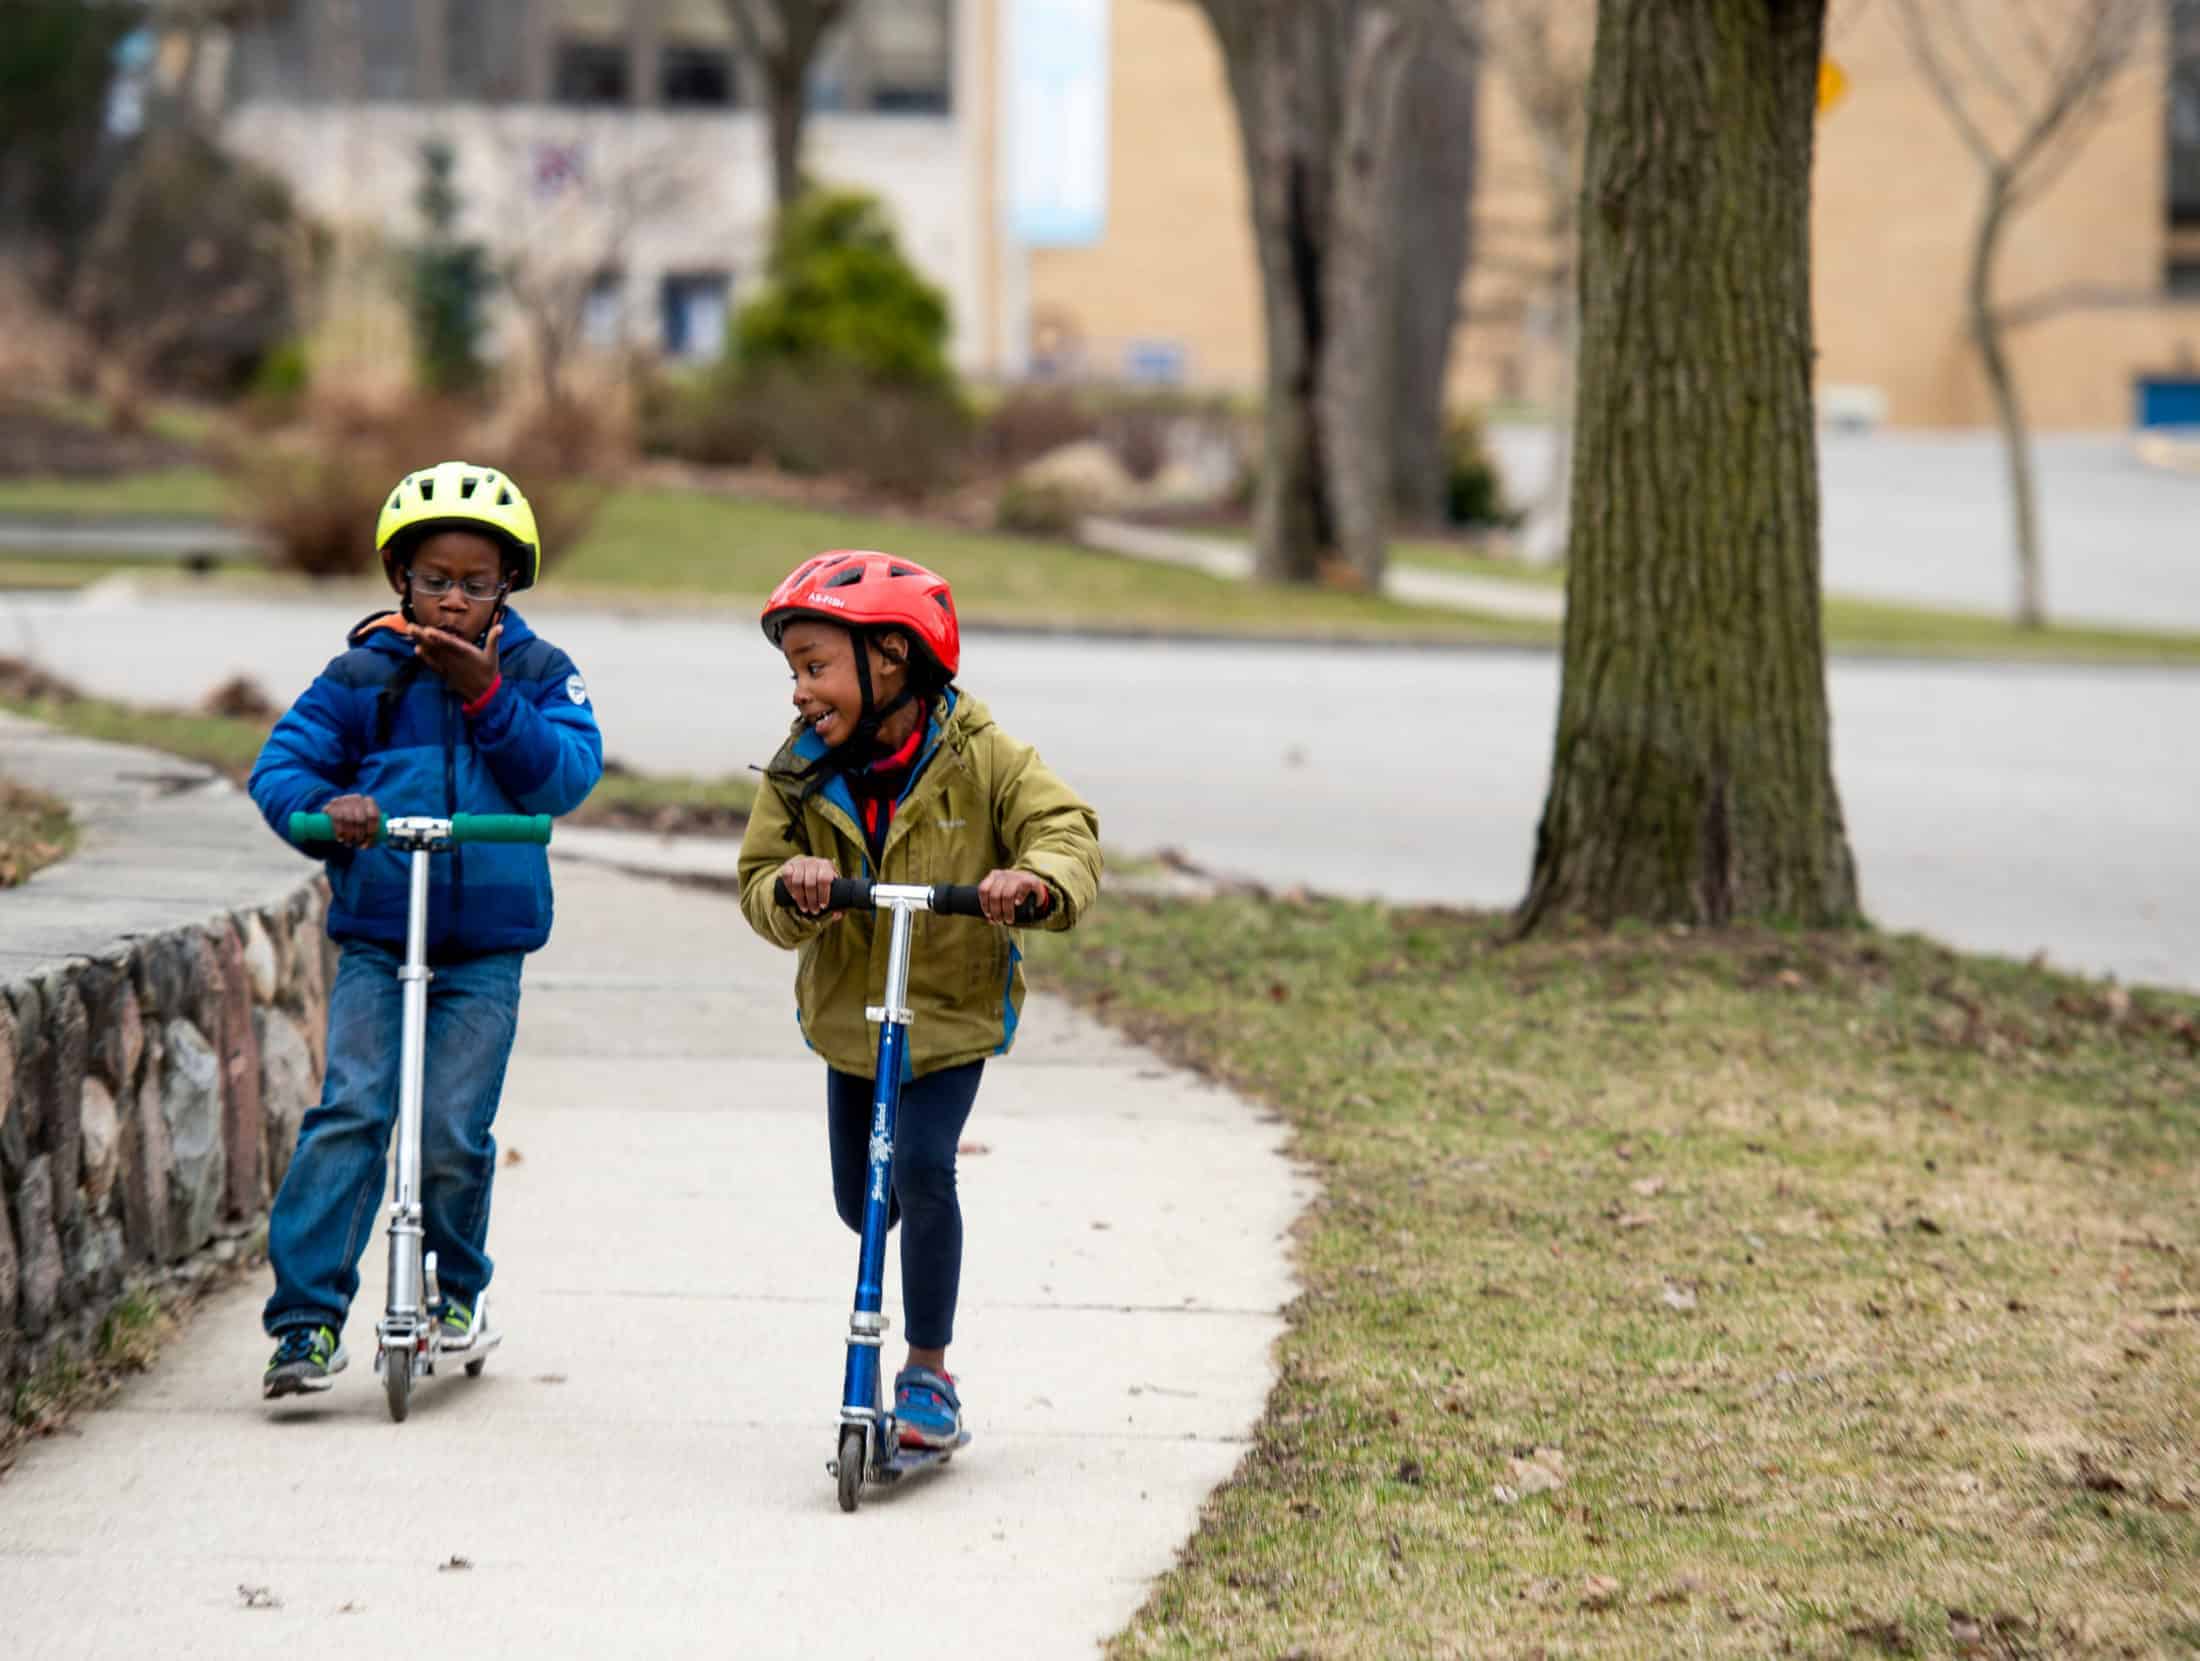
(849,894)
(961,900)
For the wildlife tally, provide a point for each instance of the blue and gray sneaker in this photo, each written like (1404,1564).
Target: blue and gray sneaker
(306,1358)
(927,1412)
(458,1324)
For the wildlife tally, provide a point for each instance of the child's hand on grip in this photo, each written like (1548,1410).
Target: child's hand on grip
(355,820)
(810,881)
(1003,891)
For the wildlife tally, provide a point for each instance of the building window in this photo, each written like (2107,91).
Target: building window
(892,57)
(693,304)
(275,59)
(695,77)
(907,53)
(485,51)
(388,52)
(603,311)
(590,72)
(2181,120)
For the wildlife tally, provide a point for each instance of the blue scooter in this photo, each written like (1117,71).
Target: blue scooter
(411,1338)
(869,1446)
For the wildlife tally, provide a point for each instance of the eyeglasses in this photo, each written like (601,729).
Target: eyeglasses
(435,586)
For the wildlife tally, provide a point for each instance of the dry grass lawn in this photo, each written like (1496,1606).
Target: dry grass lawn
(1672,1295)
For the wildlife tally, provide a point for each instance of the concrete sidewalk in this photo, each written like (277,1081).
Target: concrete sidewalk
(642,1469)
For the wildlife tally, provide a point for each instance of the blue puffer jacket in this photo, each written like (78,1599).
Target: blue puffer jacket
(379,723)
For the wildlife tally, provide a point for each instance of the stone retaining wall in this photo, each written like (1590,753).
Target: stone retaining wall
(151,1085)
(149,1101)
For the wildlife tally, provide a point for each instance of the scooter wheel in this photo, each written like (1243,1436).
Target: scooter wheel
(397,1383)
(852,1453)
(473,1368)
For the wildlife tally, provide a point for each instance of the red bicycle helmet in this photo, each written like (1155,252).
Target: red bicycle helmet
(860,591)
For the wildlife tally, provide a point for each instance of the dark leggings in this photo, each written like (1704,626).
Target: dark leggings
(929,1126)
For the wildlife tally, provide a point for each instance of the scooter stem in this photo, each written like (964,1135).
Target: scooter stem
(405,1230)
(860,1393)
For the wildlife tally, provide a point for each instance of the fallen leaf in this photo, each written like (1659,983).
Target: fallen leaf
(1649,1187)
(1679,1297)
(1103,1225)
(1636,1219)
(454,1564)
(258,1597)
(512,1156)
(1410,1470)
(352,1609)
(1789,980)
(549,1378)
(972,1150)
(1925,1225)
(1279,992)
(1599,1591)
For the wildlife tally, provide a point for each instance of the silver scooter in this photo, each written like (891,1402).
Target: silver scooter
(411,1337)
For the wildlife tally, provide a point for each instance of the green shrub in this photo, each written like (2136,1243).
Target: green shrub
(1474,492)
(840,295)
(449,283)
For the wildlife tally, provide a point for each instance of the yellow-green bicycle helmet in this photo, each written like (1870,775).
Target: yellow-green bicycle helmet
(458,496)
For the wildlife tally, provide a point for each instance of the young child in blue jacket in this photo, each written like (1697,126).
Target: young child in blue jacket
(450,704)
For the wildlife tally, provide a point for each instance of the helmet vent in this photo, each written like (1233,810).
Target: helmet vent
(846,577)
(504,498)
(899,571)
(466,487)
(941,600)
(427,490)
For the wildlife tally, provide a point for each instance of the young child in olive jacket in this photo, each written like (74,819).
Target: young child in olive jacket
(896,774)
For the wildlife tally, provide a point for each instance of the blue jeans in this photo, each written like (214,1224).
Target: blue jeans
(330,1197)
(928,1126)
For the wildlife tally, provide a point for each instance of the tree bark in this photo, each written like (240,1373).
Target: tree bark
(1986,330)
(1692,776)
(780,38)
(1361,291)
(1432,233)
(787,97)
(1433,236)
(1314,84)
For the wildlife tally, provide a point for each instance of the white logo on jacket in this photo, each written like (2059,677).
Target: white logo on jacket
(576,689)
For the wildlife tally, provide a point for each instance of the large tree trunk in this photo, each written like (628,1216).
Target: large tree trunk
(2001,381)
(1360,278)
(1692,777)
(786,92)
(1435,174)
(1297,75)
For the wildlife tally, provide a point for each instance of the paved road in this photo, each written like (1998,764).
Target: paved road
(2008,810)
(1923,517)
(641,1472)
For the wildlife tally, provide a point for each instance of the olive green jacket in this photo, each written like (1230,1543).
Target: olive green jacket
(981,802)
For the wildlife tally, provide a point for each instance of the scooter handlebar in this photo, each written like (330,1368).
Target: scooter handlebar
(500,827)
(465,827)
(318,827)
(948,899)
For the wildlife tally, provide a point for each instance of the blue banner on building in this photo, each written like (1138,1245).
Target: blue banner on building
(1058,122)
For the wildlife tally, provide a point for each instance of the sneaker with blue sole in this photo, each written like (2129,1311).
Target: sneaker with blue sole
(927,1411)
(306,1359)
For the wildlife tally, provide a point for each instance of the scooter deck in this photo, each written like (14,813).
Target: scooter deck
(449,1356)
(909,1460)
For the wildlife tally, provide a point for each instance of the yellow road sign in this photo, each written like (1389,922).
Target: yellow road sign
(1832,84)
